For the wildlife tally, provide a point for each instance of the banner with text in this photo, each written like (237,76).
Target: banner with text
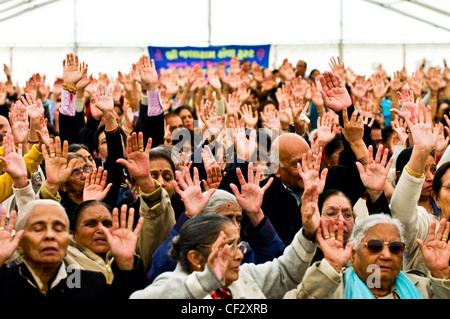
(181,57)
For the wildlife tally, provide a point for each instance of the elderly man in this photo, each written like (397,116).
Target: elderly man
(282,199)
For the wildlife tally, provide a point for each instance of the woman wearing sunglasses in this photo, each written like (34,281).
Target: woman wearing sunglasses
(209,254)
(376,253)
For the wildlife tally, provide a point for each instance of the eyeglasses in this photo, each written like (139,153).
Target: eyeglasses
(346,214)
(86,169)
(242,246)
(376,245)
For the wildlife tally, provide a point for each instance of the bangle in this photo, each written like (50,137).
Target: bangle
(69,88)
(30,141)
(432,101)
(113,130)
(412,173)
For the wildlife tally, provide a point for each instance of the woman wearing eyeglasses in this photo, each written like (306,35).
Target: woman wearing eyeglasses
(209,252)
(376,253)
(69,178)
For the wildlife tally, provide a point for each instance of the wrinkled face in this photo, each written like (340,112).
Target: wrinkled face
(232,212)
(76,181)
(87,156)
(187,118)
(290,154)
(102,146)
(46,237)
(338,208)
(234,261)
(427,186)
(88,230)
(388,264)
(161,170)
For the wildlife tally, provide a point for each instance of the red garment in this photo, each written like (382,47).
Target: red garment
(221,294)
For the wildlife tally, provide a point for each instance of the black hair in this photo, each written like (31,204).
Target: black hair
(80,208)
(437,181)
(403,159)
(99,131)
(75,147)
(334,145)
(165,153)
(386,132)
(197,232)
(331,192)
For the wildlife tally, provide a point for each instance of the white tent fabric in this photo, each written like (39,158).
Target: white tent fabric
(110,35)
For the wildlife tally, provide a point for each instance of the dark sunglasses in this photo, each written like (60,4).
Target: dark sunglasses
(376,245)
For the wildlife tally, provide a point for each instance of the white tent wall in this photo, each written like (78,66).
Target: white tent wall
(110,35)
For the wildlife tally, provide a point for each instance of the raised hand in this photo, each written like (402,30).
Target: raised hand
(95,185)
(218,258)
(251,119)
(326,130)
(8,242)
(334,93)
(103,99)
(57,169)
(245,147)
(375,175)
(436,251)
(251,195)
(73,71)
(13,162)
(18,118)
(232,103)
(147,73)
(122,238)
(309,171)
(137,161)
(310,211)
(423,133)
(191,193)
(331,241)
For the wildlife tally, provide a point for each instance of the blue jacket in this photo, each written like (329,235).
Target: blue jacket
(263,245)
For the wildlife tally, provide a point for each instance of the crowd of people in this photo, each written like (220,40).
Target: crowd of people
(236,181)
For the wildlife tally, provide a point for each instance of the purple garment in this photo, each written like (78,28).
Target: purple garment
(67,103)
(154,103)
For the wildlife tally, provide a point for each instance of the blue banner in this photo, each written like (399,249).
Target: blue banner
(181,57)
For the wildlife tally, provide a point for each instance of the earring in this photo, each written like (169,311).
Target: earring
(199,266)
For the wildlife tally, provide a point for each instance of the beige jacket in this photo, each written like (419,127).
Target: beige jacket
(159,218)
(321,281)
(414,218)
(81,257)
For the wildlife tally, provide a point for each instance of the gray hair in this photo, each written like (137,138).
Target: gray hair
(218,199)
(26,210)
(364,224)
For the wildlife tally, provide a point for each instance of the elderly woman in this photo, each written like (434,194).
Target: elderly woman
(41,238)
(263,242)
(376,252)
(209,253)
(89,248)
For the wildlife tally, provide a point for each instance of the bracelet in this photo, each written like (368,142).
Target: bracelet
(30,141)
(113,130)
(412,173)
(70,88)
(433,101)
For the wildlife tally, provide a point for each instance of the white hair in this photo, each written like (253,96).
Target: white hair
(25,211)
(364,224)
(218,199)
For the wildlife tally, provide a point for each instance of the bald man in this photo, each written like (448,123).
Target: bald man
(282,199)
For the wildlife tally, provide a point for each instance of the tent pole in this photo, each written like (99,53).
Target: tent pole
(341,23)
(209,22)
